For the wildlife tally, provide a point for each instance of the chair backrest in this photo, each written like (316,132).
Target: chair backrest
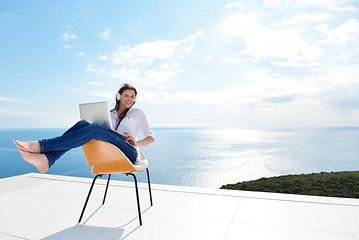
(106,158)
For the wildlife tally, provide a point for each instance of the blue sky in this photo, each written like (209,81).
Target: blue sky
(271,63)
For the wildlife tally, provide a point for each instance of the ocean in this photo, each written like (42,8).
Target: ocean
(202,157)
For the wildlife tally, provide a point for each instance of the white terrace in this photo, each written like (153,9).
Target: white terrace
(38,206)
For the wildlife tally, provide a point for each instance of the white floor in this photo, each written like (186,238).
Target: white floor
(38,206)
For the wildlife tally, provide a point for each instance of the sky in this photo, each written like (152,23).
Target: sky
(195,63)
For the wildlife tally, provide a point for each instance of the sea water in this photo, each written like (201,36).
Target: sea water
(210,157)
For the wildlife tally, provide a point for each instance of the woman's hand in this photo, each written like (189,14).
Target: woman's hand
(130,139)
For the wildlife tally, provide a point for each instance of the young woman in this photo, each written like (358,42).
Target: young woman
(125,119)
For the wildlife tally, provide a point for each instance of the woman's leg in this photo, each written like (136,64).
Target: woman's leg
(78,125)
(73,139)
(81,136)
(30,151)
(34,147)
(54,155)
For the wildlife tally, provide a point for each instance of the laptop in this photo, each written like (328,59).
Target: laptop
(100,113)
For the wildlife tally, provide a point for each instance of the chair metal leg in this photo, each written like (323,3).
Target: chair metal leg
(104,197)
(88,195)
(138,199)
(149,185)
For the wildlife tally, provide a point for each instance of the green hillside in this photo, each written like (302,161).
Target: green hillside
(334,184)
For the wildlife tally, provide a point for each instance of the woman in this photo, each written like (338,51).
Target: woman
(125,119)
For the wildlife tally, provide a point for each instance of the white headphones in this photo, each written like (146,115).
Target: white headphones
(118,96)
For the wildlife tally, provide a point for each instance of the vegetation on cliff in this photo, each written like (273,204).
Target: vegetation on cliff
(333,184)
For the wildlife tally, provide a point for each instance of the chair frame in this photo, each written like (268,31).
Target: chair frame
(104,198)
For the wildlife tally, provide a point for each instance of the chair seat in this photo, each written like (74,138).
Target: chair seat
(119,167)
(106,158)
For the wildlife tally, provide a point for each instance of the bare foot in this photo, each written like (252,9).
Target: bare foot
(38,160)
(32,146)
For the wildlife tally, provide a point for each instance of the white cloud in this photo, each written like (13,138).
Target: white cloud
(234,4)
(261,41)
(96,83)
(346,77)
(67,36)
(194,36)
(105,35)
(160,75)
(35,119)
(80,54)
(267,91)
(320,3)
(305,35)
(266,58)
(143,63)
(73,89)
(7,14)
(102,57)
(342,34)
(345,9)
(146,52)
(108,95)
(155,76)
(150,64)
(244,97)
(209,58)
(24,114)
(331,5)
(274,3)
(295,64)
(6,99)
(90,67)
(301,19)
(131,74)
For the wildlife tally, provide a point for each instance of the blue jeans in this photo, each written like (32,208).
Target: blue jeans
(81,133)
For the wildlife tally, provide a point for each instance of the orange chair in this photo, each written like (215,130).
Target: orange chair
(106,158)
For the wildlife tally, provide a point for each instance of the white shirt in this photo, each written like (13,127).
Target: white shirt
(134,121)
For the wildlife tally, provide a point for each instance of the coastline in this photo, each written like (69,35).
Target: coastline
(330,184)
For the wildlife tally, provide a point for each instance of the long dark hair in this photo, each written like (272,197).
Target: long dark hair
(123,114)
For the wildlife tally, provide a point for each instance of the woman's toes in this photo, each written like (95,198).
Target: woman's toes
(20,145)
(31,146)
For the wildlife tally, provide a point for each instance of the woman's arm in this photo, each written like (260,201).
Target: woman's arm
(143,142)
